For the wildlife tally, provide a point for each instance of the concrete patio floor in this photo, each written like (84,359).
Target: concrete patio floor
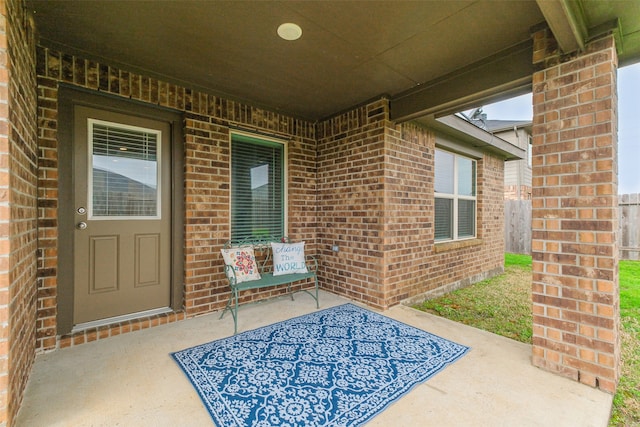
(130,379)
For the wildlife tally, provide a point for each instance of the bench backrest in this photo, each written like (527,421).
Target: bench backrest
(261,249)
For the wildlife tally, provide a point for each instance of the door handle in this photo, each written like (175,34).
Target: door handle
(81,225)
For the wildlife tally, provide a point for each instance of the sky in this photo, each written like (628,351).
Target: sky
(519,108)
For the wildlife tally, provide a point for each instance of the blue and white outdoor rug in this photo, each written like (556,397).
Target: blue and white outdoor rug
(335,367)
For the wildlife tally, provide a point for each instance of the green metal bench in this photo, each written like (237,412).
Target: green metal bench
(264,256)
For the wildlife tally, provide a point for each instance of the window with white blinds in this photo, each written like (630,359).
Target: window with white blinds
(455,196)
(123,171)
(257,188)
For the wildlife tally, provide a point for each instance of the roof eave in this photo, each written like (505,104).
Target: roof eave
(473,136)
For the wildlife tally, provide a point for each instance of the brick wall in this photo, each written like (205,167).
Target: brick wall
(376,203)
(356,181)
(351,202)
(408,231)
(575,256)
(18,179)
(207,123)
(5,217)
(455,265)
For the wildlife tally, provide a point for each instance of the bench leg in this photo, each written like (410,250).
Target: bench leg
(233,310)
(235,315)
(232,304)
(315,296)
(226,307)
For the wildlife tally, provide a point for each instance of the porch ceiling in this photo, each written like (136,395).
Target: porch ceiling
(428,57)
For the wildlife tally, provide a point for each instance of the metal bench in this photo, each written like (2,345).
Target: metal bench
(263,258)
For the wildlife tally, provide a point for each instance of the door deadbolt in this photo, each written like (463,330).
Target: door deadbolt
(81,210)
(81,225)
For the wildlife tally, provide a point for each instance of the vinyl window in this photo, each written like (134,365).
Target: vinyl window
(257,187)
(455,196)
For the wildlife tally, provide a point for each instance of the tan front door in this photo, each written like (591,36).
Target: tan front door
(122,202)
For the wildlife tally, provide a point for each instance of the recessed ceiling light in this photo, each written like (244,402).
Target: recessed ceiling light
(289,31)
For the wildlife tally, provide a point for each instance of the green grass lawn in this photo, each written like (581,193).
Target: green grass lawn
(502,305)
(626,402)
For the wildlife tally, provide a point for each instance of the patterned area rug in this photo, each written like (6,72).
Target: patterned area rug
(335,367)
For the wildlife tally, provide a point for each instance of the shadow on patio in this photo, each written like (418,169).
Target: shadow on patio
(130,380)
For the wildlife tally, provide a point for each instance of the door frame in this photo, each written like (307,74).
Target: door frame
(68,98)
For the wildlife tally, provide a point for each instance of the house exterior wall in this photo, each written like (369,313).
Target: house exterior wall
(517,173)
(575,212)
(18,205)
(355,180)
(408,228)
(351,214)
(417,267)
(208,121)
(376,202)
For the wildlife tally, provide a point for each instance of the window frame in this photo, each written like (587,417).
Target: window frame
(258,139)
(456,197)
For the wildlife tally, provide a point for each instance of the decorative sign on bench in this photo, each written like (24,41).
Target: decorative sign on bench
(265,262)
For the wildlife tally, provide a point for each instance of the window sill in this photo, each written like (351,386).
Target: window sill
(458,244)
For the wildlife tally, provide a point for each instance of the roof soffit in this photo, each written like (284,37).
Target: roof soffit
(428,58)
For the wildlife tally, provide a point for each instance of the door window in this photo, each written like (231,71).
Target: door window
(124,163)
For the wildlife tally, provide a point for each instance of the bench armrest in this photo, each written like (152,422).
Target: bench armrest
(231,275)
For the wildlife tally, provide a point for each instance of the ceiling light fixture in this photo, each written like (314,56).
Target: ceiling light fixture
(289,31)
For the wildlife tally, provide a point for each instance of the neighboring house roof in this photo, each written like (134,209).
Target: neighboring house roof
(478,118)
(502,125)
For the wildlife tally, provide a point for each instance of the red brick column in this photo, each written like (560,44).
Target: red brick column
(575,222)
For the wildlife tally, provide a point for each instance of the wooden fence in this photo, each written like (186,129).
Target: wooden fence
(517,227)
(629,226)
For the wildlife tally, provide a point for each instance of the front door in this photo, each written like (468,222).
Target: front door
(122,202)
